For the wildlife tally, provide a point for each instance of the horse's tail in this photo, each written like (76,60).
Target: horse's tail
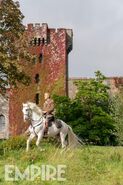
(73,140)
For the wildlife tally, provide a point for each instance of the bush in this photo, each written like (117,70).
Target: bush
(14,143)
(19,142)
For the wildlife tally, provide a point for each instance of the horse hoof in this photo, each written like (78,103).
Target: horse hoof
(62,150)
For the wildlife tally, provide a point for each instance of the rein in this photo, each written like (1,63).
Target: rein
(36,125)
(39,122)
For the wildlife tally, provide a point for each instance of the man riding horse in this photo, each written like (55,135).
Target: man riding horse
(48,110)
(43,122)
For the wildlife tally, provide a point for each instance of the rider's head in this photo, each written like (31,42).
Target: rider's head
(46,95)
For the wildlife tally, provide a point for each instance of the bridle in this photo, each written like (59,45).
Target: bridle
(29,114)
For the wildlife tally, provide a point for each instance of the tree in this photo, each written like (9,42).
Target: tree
(66,109)
(90,113)
(118,114)
(99,122)
(12,45)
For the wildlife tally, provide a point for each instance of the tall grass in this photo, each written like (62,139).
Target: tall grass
(89,165)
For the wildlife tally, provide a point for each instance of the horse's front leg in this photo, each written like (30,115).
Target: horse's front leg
(28,141)
(40,136)
(26,132)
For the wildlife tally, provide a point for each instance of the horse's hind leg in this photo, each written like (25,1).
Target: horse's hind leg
(63,139)
(28,141)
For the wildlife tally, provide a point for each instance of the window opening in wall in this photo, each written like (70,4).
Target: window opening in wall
(35,41)
(43,41)
(39,41)
(37,78)
(40,58)
(37,98)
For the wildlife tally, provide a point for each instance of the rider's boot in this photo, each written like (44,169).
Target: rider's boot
(46,128)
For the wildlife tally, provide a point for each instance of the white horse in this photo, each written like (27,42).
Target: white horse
(34,114)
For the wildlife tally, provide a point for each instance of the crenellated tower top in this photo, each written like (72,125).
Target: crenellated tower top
(41,34)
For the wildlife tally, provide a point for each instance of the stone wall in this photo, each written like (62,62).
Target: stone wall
(115,84)
(4,113)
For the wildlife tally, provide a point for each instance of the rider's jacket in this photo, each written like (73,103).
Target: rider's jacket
(48,106)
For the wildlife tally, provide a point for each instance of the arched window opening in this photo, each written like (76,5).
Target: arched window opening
(39,41)
(2,123)
(43,40)
(37,78)
(40,58)
(37,98)
(35,41)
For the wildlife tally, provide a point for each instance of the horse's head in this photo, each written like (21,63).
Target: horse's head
(31,111)
(26,111)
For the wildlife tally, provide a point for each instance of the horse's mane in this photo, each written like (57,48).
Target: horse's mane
(35,108)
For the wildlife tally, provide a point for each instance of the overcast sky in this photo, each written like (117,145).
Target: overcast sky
(98,31)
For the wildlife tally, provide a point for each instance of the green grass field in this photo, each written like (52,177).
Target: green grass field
(89,165)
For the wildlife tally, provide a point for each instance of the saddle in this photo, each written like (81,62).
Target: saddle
(58,123)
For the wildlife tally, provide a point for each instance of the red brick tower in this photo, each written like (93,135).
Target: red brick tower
(49,71)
